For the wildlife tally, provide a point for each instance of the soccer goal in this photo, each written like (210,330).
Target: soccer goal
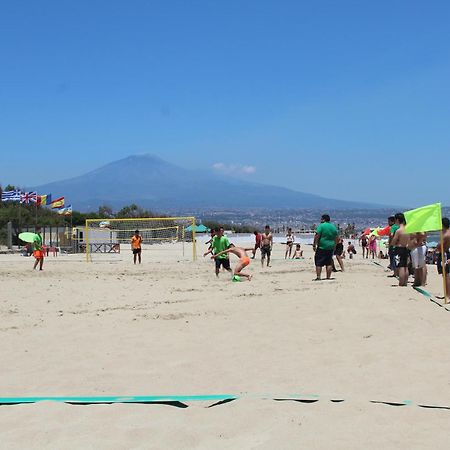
(164,236)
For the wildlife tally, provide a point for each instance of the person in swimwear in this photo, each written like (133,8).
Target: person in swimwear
(290,238)
(351,250)
(445,265)
(373,246)
(266,245)
(244,260)
(364,243)
(298,252)
(338,252)
(400,242)
(38,251)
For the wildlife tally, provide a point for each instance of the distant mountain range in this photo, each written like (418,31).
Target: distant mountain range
(156,184)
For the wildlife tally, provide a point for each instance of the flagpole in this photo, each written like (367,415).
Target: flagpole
(444,274)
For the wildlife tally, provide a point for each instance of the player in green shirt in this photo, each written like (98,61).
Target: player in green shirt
(220,243)
(38,251)
(325,242)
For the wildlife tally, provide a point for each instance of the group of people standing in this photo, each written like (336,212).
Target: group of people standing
(407,252)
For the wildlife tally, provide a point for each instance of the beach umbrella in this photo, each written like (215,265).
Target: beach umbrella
(198,228)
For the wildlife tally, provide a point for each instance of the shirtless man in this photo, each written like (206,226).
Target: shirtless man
(400,241)
(290,238)
(446,241)
(244,260)
(364,242)
(418,248)
(266,245)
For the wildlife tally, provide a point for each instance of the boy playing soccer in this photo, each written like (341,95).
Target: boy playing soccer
(244,260)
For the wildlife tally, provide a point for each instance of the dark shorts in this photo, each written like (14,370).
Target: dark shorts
(224,262)
(136,251)
(392,262)
(323,257)
(439,263)
(401,257)
(339,250)
(265,250)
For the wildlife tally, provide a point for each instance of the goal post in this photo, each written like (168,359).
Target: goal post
(176,234)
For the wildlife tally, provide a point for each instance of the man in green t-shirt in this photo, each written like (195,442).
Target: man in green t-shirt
(324,244)
(220,243)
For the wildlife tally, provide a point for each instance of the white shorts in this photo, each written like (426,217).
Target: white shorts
(418,257)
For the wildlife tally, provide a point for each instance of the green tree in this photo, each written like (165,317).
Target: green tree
(132,211)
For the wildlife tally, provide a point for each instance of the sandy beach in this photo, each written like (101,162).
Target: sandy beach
(169,327)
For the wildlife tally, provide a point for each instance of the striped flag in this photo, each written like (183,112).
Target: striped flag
(11,196)
(28,197)
(58,203)
(44,199)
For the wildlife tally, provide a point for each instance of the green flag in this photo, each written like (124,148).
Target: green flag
(426,218)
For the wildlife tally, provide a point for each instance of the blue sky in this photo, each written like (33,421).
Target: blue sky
(347,99)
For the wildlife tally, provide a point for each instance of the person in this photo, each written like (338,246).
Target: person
(391,249)
(400,242)
(213,233)
(220,243)
(325,241)
(257,243)
(418,249)
(136,246)
(351,250)
(244,260)
(38,251)
(298,252)
(338,251)
(446,262)
(266,245)
(373,246)
(290,239)
(364,242)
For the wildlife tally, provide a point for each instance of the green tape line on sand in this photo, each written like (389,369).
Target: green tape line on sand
(122,399)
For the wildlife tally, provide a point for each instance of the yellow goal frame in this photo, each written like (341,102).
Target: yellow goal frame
(136,219)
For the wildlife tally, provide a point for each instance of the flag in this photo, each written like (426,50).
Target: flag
(11,196)
(384,231)
(28,197)
(65,211)
(44,199)
(426,218)
(58,203)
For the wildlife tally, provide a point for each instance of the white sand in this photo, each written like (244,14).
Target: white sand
(168,328)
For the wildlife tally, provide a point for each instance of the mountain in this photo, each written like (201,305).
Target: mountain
(156,184)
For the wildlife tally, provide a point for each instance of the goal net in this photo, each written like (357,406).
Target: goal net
(163,236)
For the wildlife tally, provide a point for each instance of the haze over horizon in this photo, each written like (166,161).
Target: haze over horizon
(347,100)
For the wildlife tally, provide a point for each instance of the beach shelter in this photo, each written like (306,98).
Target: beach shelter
(198,228)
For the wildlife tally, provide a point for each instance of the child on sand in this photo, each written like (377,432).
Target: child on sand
(244,260)
(298,252)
